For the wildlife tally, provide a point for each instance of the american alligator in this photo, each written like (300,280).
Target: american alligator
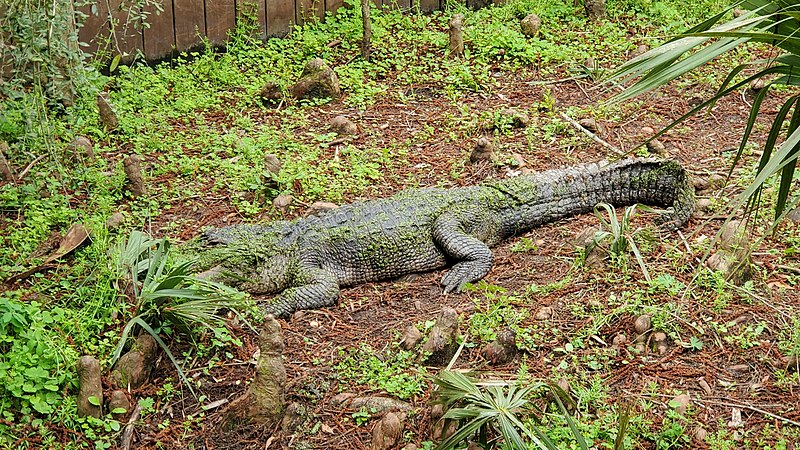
(306,261)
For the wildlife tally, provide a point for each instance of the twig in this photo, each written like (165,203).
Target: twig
(789,268)
(754,409)
(563,80)
(29,167)
(593,136)
(127,434)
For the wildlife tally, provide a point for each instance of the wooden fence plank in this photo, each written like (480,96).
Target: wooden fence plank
(310,10)
(280,17)
(220,17)
(428,5)
(332,5)
(404,5)
(189,22)
(95,28)
(159,39)
(127,38)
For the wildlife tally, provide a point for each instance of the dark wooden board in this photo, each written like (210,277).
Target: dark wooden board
(280,17)
(404,5)
(428,5)
(332,5)
(309,10)
(95,27)
(127,37)
(220,18)
(159,38)
(189,22)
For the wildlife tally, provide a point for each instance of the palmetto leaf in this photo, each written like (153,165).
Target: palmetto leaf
(772,22)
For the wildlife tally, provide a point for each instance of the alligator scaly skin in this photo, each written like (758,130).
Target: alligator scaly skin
(307,260)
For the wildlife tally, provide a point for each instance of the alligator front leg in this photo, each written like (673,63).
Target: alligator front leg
(313,288)
(455,234)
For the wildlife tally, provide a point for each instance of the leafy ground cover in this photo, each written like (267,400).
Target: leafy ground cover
(200,126)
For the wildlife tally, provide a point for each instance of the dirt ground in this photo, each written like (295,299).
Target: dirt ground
(720,377)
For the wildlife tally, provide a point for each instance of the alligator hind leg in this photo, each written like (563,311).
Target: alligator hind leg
(451,233)
(314,288)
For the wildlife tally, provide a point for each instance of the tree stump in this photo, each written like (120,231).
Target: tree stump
(90,394)
(108,116)
(264,401)
(133,170)
(457,35)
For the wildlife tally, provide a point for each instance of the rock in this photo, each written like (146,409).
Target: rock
(115,220)
(733,256)
(757,85)
(293,417)
(737,12)
(544,313)
(563,384)
(657,147)
(90,387)
(590,124)
(660,342)
(343,126)
(271,94)
(700,435)
(619,341)
(387,432)
(437,411)
(681,403)
(456,35)
(517,119)
(108,117)
(639,51)
(531,25)
(443,429)
(703,205)
(133,368)
(717,181)
(318,80)
(442,341)
(411,337)
(705,386)
(133,170)
(595,9)
(264,400)
(82,148)
(272,165)
(642,326)
(282,202)
(502,350)
(585,237)
(700,184)
(794,215)
(119,401)
(647,131)
(483,151)
(317,208)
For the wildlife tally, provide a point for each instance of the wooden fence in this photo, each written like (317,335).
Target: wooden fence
(184,23)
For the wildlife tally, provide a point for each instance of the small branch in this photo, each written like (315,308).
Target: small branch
(29,167)
(127,434)
(593,136)
(754,409)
